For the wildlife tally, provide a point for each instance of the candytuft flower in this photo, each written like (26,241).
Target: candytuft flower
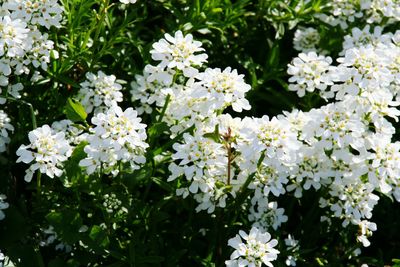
(256,248)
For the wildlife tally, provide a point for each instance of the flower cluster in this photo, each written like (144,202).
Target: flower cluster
(306,39)
(179,52)
(208,161)
(344,13)
(194,96)
(256,249)
(45,13)
(117,137)
(344,147)
(22,44)
(309,72)
(113,205)
(369,62)
(48,149)
(99,92)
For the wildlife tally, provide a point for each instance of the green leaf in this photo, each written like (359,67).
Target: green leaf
(157,129)
(75,111)
(99,237)
(162,184)
(66,224)
(396,262)
(73,174)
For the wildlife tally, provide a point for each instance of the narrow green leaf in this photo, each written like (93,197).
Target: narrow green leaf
(75,111)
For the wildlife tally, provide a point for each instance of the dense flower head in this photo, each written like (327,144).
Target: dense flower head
(306,39)
(369,61)
(222,89)
(5,129)
(99,92)
(266,214)
(48,149)
(342,149)
(13,37)
(309,72)
(45,13)
(208,161)
(345,13)
(361,37)
(253,249)
(117,137)
(179,52)
(22,44)
(151,88)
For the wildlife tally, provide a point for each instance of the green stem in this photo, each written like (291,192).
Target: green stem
(33,116)
(164,109)
(38,183)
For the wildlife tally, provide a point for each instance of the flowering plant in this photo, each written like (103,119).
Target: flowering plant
(199,133)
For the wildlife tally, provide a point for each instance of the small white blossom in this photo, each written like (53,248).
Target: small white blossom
(5,129)
(47,149)
(265,215)
(366,229)
(306,40)
(309,72)
(255,249)
(50,237)
(222,89)
(3,205)
(45,13)
(179,52)
(118,136)
(13,37)
(99,92)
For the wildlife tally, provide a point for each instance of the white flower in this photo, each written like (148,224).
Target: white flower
(366,229)
(309,72)
(99,92)
(47,149)
(50,237)
(306,39)
(265,215)
(5,128)
(3,205)
(73,134)
(149,88)
(292,247)
(113,205)
(209,167)
(45,13)
(13,37)
(128,1)
(222,89)
(118,136)
(179,52)
(343,12)
(256,248)
(359,38)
